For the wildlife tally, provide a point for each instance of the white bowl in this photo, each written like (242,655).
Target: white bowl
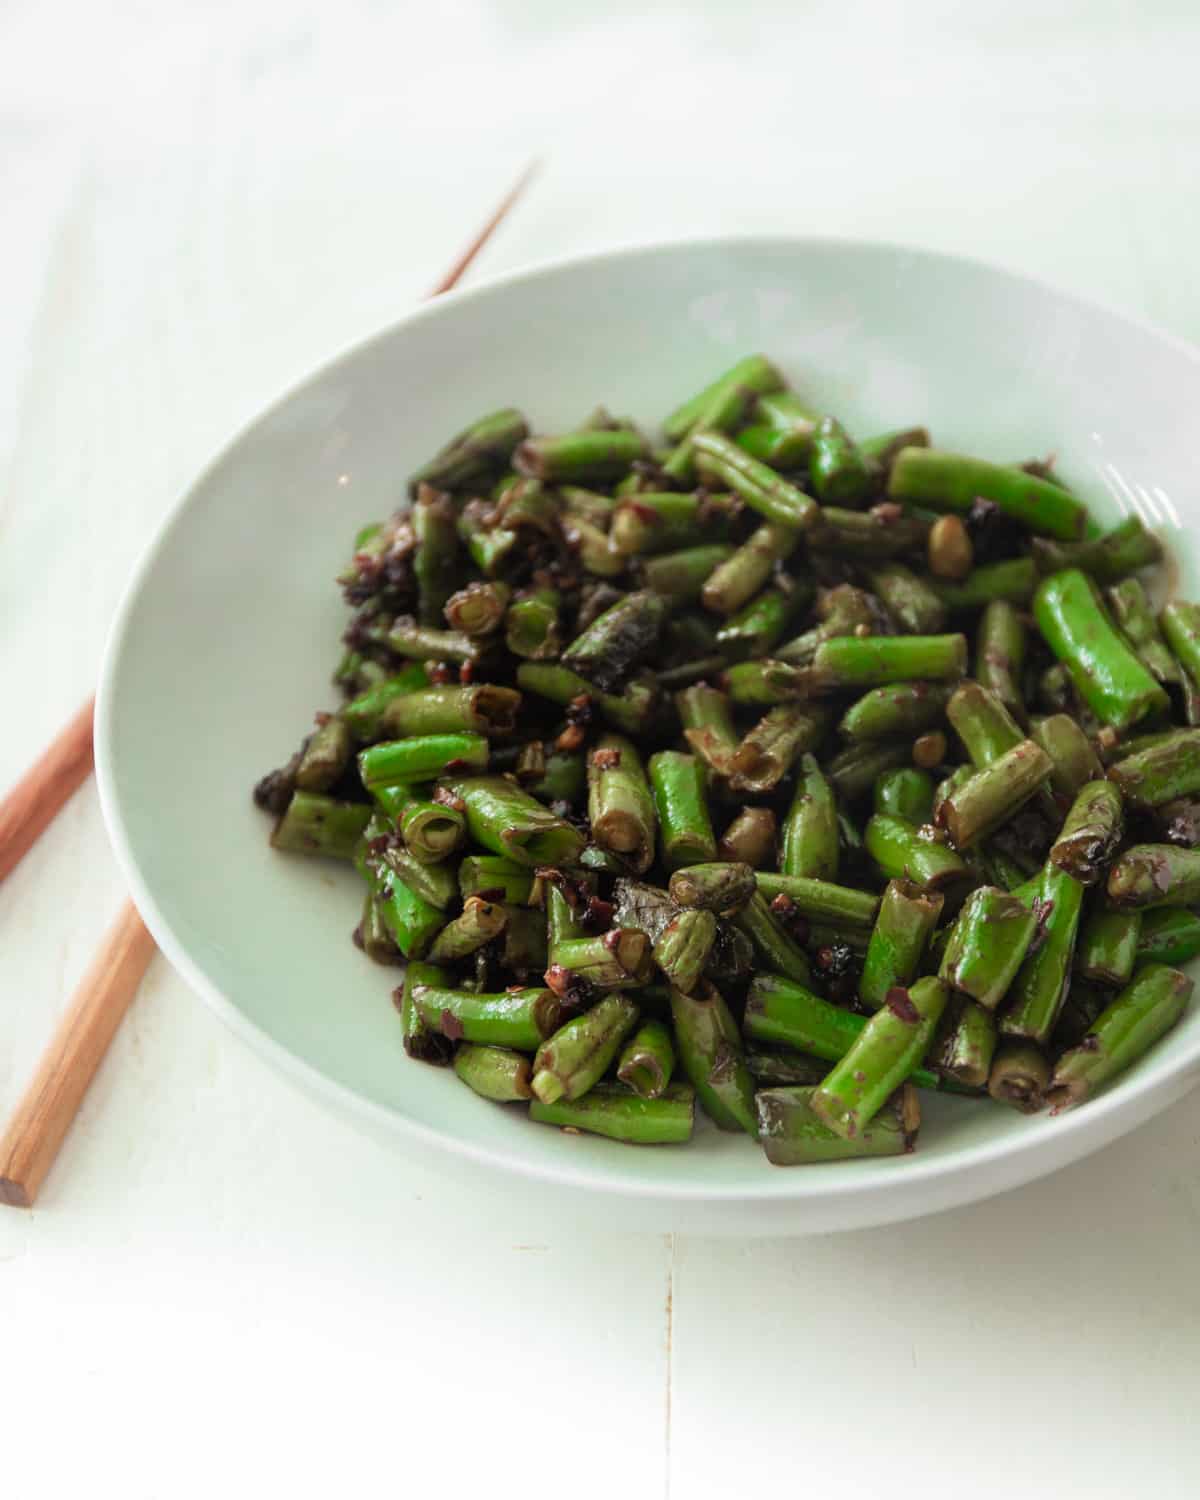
(224,644)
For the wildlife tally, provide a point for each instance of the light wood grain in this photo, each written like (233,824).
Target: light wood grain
(42,1117)
(36,799)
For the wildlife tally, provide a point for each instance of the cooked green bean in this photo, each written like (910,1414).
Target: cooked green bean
(661,744)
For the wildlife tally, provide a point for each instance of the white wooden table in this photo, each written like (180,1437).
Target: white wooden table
(224,1290)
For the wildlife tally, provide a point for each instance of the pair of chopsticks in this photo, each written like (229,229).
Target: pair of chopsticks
(51,1100)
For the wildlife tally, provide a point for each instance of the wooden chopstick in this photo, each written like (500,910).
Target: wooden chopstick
(44,1113)
(50,1102)
(39,795)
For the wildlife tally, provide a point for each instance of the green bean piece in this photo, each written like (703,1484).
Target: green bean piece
(888,1048)
(779,1012)
(632,712)
(1000,868)
(434,883)
(868,535)
(479,710)
(617,639)
(905,792)
(1180,623)
(679,577)
(987,945)
(908,598)
(713,886)
(854,771)
(508,821)
(495,879)
(1107,675)
(1123,550)
(316,824)
(766,752)
(579,1053)
(767,682)
(1092,830)
(1036,995)
(1108,946)
(1147,875)
(1000,655)
(1165,771)
(949,481)
(1140,1015)
(770,494)
(580,457)
(665,522)
(620,805)
(811,842)
(431,831)
(1019,1075)
(593,547)
(965,1050)
(709,1048)
(1012,581)
(648,1060)
(413,921)
(477,609)
(691,671)
(522,1019)
(612,1110)
(373,934)
(685,830)
(525,953)
(725,411)
(885,446)
(421,1041)
(707,721)
(1169,935)
(784,1012)
(436,556)
(993,794)
(851,661)
(420,757)
(531,624)
(759,624)
(494,1072)
(895,710)
(901,852)
(907,916)
(755,375)
(783,1067)
(792,1134)
(478,923)
(1131,609)
(782,448)
(837,469)
(618,959)
(364,714)
(682,949)
(844,610)
(736,580)
(405,637)
(778,952)
(1073,761)
(750,838)
(821,900)
(325,755)
(478,449)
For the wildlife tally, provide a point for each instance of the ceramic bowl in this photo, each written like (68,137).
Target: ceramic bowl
(225,642)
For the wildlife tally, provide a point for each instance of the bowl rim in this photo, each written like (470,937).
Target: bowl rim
(1074,1133)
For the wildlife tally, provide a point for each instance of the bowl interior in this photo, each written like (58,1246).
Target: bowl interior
(226,641)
